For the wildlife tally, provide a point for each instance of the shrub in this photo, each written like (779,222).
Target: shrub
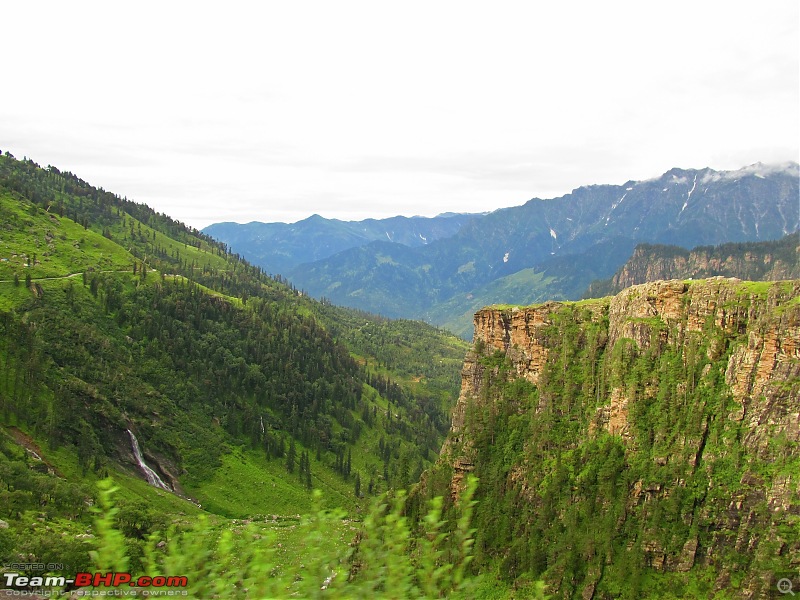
(385,560)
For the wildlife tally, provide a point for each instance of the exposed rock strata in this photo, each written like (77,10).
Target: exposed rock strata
(753,327)
(763,261)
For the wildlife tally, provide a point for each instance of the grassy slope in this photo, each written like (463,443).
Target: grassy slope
(236,489)
(45,244)
(247,484)
(55,251)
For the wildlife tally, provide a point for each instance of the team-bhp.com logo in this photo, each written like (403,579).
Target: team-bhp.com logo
(17,581)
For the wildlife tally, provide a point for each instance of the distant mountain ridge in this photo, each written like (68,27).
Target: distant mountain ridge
(553,249)
(280,247)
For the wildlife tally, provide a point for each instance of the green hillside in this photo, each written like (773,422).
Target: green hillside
(243,394)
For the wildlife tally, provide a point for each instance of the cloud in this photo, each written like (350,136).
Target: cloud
(757,169)
(280,110)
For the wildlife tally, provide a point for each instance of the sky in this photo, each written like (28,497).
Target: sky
(274,111)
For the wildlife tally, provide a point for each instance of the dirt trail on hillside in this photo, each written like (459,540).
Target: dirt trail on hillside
(26,441)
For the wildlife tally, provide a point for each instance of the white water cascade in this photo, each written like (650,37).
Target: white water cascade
(151,476)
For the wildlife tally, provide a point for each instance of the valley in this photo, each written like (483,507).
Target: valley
(545,249)
(244,395)
(639,444)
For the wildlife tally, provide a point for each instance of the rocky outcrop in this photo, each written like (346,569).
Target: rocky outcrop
(518,333)
(724,356)
(759,261)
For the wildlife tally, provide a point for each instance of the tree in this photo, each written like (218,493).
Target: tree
(305,469)
(290,456)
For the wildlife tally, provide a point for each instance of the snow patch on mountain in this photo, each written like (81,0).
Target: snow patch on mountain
(689,195)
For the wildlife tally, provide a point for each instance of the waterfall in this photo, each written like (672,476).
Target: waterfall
(151,476)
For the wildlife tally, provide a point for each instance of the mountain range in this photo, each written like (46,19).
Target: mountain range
(281,247)
(639,445)
(544,249)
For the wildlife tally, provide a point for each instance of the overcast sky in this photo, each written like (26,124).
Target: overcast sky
(273,111)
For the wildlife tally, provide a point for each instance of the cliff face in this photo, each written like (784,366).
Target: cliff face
(649,439)
(757,261)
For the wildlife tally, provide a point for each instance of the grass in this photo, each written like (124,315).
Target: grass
(43,245)
(578,303)
(131,487)
(291,539)
(54,251)
(233,500)
(237,302)
(11,295)
(654,322)
(248,484)
(756,288)
(199,256)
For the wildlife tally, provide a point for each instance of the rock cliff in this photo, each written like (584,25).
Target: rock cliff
(757,261)
(643,442)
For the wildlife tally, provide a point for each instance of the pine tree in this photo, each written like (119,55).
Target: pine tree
(305,469)
(290,456)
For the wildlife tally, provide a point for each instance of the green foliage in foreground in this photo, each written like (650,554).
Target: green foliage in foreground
(386,559)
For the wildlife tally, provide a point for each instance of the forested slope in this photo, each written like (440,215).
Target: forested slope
(242,393)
